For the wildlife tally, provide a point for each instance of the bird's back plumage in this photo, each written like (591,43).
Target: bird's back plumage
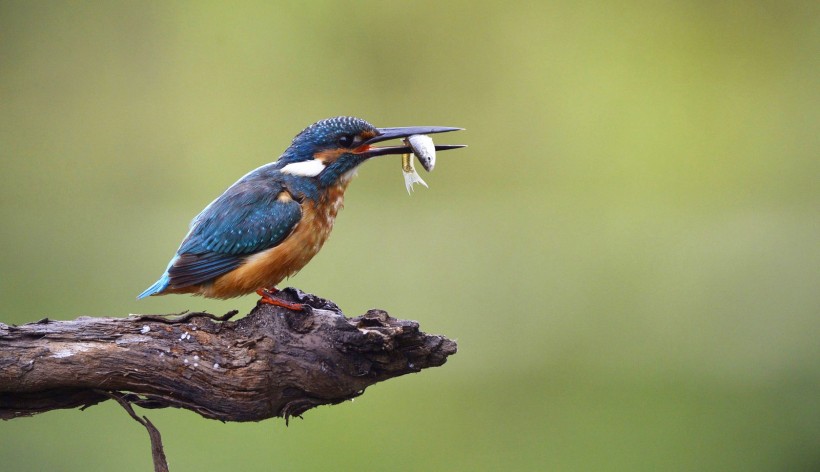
(255,214)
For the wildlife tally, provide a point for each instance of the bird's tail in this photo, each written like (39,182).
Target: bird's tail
(158,287)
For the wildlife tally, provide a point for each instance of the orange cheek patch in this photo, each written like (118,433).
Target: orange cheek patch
(362,148)
(329,155)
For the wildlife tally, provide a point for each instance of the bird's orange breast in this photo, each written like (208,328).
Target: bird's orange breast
(267,268)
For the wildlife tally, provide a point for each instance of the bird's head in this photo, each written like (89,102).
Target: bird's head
(330,150)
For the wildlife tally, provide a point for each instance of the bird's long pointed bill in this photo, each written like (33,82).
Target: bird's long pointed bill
(386,134)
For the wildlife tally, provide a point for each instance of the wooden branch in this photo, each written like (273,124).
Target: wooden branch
(157,450)
(274,362)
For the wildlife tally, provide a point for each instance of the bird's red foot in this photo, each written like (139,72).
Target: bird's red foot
(269,297)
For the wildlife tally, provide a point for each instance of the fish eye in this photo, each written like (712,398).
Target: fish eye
(346,140)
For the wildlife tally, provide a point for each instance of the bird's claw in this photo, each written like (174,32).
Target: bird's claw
(269,298)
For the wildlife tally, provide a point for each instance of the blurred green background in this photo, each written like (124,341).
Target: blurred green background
(627,253)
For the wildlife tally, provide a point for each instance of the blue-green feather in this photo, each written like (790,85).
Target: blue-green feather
(248,218)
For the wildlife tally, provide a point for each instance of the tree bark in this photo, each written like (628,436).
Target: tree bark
(272,363)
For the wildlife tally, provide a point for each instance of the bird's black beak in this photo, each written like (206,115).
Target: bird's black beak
(386,134)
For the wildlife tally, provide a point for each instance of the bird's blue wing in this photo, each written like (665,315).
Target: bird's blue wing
(246,219)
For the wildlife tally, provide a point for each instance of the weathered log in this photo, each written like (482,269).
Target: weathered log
(272,363)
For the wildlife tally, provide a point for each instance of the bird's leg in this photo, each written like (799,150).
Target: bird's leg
(269,296)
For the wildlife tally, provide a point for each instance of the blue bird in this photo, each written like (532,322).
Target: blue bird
(272,221)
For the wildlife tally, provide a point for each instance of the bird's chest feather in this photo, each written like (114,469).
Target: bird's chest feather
(269,267)
(317,221)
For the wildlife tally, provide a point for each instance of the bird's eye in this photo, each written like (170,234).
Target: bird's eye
(346,140)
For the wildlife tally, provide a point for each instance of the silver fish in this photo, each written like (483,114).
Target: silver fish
(424,149)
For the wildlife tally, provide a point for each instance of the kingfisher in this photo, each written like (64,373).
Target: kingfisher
(272,221)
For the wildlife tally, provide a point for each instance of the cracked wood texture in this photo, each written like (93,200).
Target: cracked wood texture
(273,362)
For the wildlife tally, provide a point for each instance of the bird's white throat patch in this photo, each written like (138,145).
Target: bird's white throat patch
(309,168)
